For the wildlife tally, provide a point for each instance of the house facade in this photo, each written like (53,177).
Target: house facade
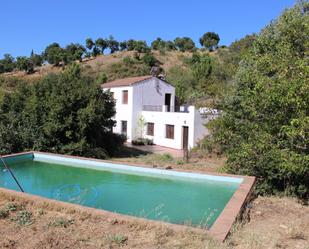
(145,107)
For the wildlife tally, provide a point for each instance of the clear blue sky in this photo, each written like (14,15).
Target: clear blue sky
(33,24)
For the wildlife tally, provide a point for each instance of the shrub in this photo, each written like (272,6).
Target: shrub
(64,113)
(264,127)
(142,141)
(24,218)
(4,213)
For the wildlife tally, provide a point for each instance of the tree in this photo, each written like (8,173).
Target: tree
(150,60)
(8,63)
(264,128)
(64,113)
(184,44)
(74,52)
(24,64)
(54,54)
(130,44)
(123,45)
(36,59)
(101,44)
(210,40)
(162,45)
(89,43)
(112,44)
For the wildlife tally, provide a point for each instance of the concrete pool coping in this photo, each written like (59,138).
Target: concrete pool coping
(219,230)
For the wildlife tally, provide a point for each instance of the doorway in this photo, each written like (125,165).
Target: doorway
(185,137)
(167,102)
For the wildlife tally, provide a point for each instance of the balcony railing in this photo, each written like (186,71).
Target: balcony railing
(153,108)
(165,108)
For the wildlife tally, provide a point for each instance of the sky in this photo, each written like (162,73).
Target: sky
(34,24)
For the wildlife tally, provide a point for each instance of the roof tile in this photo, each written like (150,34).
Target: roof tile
(125,82)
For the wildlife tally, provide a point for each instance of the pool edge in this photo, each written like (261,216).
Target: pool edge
(219,230)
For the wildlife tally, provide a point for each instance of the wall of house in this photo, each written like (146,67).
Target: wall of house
(123,111)
(150,92)
(178,119)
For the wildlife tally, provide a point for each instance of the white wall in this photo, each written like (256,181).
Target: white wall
(123,111)
(178,119)
(152,92)
(149,92)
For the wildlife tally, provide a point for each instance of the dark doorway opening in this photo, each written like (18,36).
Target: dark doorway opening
(167,101)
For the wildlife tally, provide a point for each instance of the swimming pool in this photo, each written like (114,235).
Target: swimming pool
(155,194)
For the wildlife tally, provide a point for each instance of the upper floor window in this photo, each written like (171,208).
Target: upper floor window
(169,133)
(125,97)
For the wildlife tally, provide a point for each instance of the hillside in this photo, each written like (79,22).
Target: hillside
(102,62)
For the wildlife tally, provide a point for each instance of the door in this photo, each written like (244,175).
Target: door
(124,125)
(167,101)
(185,137)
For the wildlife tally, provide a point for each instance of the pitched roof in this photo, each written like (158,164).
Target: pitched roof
(126,81)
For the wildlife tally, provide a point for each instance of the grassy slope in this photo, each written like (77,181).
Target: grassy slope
(273,223)
(101,62)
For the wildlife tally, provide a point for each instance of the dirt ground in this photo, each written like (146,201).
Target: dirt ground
(271,223)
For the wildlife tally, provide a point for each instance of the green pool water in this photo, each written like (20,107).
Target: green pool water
(180,201)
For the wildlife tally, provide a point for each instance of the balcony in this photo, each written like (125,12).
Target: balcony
(165,108)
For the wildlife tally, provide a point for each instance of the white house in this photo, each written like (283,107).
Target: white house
(149,102)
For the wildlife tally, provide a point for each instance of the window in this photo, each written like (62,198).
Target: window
(113,95)
(125,97)
(169,131)
(124,127)
(150,129)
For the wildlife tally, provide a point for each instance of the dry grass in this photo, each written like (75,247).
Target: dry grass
(207,164)
(273,223)
(101,63)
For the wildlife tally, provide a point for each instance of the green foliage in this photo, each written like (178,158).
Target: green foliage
(202,79)
(183,81)
(113,45)
(101,44)
(265,126)
(150,60)
(62,222)
(123,45)
(7,64)
(4,213)
(126,68)
(210,40)
(89,43)
(102,78)
(54,54)
(142,141)
(118,239)
(63,113)
(74,52)
(184,44)
(36,59)
(162,45)
(24,64)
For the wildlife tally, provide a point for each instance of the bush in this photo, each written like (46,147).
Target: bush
(142,141)
(64,113)
(265,124)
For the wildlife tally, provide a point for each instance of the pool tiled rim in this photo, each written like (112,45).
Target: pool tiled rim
(219,229)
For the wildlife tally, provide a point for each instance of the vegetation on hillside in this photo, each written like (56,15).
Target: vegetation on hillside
(64,113)
(265,126)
